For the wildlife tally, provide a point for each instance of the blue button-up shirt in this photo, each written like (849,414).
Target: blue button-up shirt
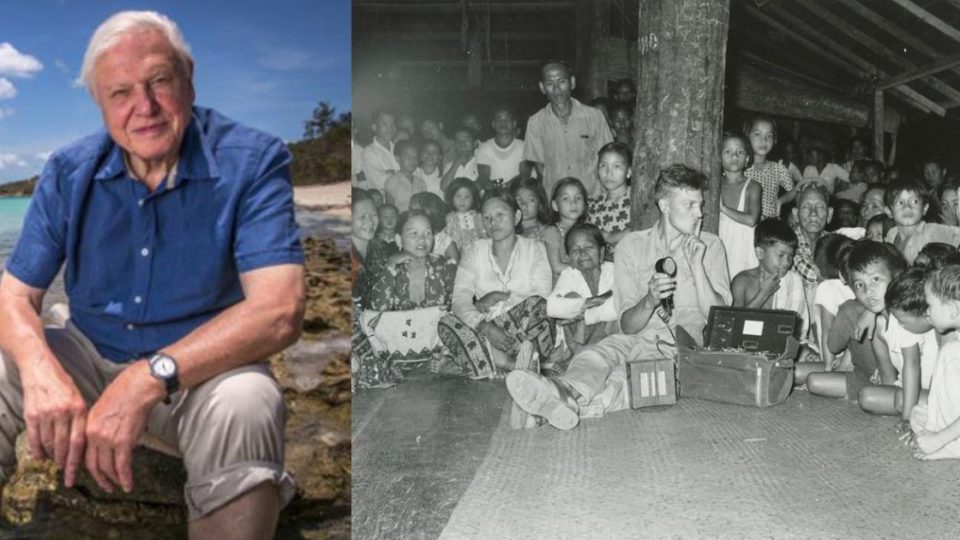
(145,269)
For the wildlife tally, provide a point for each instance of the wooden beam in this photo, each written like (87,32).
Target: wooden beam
(807,44)
(860,62)
(755,90)
(917,97)
(463,63)
(930,19)
(943,64)
(833,46)
(880,48)
(777,67)
(495,36)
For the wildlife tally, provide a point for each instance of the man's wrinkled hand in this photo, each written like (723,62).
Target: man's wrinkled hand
(55,416)
(115,424)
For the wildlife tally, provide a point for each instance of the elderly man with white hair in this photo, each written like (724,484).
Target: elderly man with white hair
(184,270)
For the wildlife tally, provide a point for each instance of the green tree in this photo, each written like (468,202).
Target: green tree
(323,119)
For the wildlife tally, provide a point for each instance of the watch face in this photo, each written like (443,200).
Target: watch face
(164,367)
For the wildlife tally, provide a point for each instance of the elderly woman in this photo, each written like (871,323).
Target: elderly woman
(499,295)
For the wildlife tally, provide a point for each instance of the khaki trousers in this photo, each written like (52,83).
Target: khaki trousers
(228,430)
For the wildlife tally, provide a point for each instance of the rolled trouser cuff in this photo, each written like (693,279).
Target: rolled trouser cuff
(212,492)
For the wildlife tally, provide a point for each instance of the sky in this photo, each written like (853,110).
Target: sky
(264,63)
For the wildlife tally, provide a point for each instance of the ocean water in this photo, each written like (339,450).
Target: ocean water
(12,210)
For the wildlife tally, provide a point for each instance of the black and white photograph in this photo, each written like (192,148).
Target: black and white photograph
(655,269)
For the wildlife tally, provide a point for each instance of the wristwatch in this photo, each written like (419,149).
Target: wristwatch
(164,368)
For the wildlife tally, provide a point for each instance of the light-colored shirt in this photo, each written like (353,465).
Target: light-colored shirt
(356,164)
(527,274)
(571,280)
(432,181)
(927,233)
(567,149)
(399,188)
(504,163)
(637,254)
(899,338)
(468,170)
(831,293)
(828,176)
(377,161)
(943,404)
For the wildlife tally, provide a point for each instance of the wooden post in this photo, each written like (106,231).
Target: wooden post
(683,45)
(878,125)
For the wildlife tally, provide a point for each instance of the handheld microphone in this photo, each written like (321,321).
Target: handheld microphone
(667,266)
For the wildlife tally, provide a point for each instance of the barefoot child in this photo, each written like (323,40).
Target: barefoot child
(907,201)
(611,211)
(739,205)
(937,425)
(912,344)
(772,284)
(569,203)
(771,175)
(536,218)
(830,293)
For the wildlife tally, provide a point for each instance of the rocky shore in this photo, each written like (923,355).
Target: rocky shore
(315,375)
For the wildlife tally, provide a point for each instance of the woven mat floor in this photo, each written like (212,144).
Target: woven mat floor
(810,468)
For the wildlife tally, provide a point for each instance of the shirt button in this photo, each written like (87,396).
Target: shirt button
(145,252)
(130,326)
(137,299)
(140,202)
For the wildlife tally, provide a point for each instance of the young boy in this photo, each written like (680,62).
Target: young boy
(912,348)
(937,425)
(907,201)
(772,284)
(431,166)
(464,165)
(403,184)
(500,158)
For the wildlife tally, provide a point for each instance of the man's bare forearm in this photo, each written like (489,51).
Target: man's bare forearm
(636,318)
(249,331)
(21,330)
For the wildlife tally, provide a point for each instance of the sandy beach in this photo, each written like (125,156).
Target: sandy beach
(332,199)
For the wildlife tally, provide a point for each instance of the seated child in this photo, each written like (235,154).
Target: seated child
(387,229)
(376,196)
(464,223)
(936,426)
(871,204)
(857,186)
(912,344)
(933,255)
(878,226)
(846,213)
(907,201)
(947,193)
(583,295)
(536,220)
(772,284)
(431,166)
(831,292)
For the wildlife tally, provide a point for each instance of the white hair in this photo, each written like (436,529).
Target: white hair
(111,30)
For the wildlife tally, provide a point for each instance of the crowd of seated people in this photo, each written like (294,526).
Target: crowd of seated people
(472,252)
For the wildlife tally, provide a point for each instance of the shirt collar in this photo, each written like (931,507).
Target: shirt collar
(196,161)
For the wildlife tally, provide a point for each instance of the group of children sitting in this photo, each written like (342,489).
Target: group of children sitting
(866,257)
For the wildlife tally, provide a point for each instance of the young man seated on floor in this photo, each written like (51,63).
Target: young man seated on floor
(595,382)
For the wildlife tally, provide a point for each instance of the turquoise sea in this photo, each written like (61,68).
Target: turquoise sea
(12,210)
